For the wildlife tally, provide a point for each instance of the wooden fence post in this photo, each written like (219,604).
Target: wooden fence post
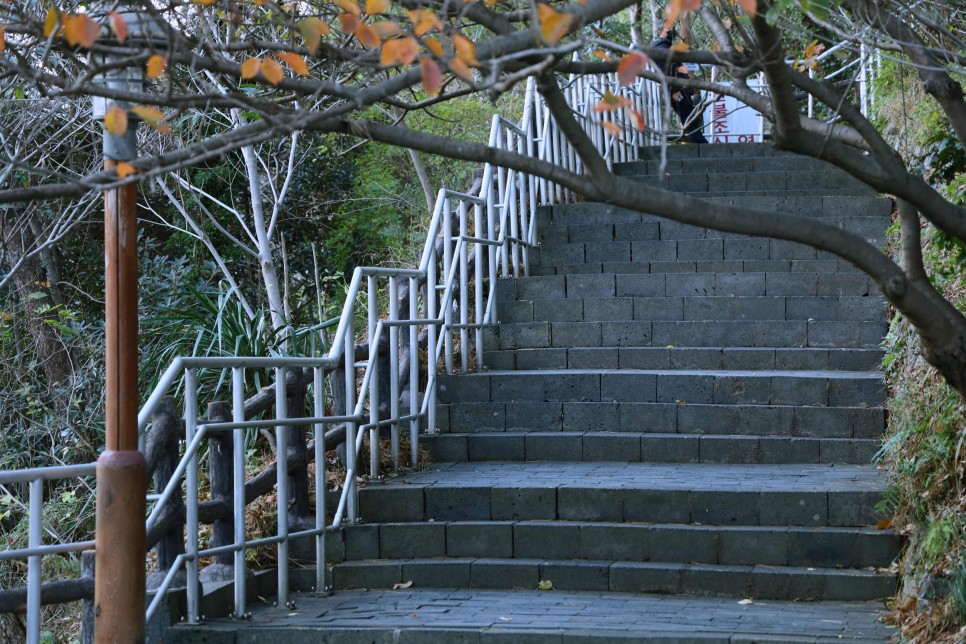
(220,479)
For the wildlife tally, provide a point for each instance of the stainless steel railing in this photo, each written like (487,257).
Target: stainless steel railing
(472,241)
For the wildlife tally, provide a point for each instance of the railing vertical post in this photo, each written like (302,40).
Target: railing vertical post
(501,181)
(478,285)
(282,491)
(413,372)
(464,287)
(811,98)
(447,266)
(374,340)
(318,435)
(35,530)
(238,487)
(429,302)
(351,458)
(394,371)
(191,494)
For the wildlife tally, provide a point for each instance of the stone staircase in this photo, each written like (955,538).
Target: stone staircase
(666,410)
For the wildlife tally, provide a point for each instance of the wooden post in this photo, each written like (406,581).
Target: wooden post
(121,468)
(220,477)
(166,429)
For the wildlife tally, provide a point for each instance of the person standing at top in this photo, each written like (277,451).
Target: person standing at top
(682,100)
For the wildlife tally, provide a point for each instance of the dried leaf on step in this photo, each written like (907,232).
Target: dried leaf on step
(403,585)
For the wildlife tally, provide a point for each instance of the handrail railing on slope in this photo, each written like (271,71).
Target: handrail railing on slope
(472,241)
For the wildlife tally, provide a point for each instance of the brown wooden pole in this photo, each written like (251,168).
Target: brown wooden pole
(121,469)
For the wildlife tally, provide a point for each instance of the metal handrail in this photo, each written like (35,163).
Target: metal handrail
(452,295)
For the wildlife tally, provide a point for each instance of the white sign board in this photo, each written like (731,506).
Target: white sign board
(727,120)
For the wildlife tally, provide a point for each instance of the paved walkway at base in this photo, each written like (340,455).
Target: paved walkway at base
(490,616)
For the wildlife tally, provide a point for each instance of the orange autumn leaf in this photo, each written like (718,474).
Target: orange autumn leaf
(3,39)
(750,7)
(399,51)
(250,68)
(368,37)
(461,69)
(612,128)
(294,61)
(312,30)
(553,25)
(203,3)
(52,22)
(433,45)
(81,30)
(272,71)
(602,55)
(680,46)
(432,77)
(349,6)
(489,3)
(814,48)
(629,67)
(115,121)
(155,66)
(153,117)
(375,7)
(671,13)
(465,50)
(125,170)
(424,21)
(350,22)
(118,26)
(386,29)
(637,120)
(609,102)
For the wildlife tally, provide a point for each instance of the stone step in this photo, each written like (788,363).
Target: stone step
(650,448)
(758,582)
(694,308)
(655,542)
(662,418)
(810,388)
(747,495)
(830,207)
(729,387)
(685,358)
(663,333)
(715,151)
(685,285)
(716,165)
(686,256)
(766,183)
(488,616)
(539,268)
